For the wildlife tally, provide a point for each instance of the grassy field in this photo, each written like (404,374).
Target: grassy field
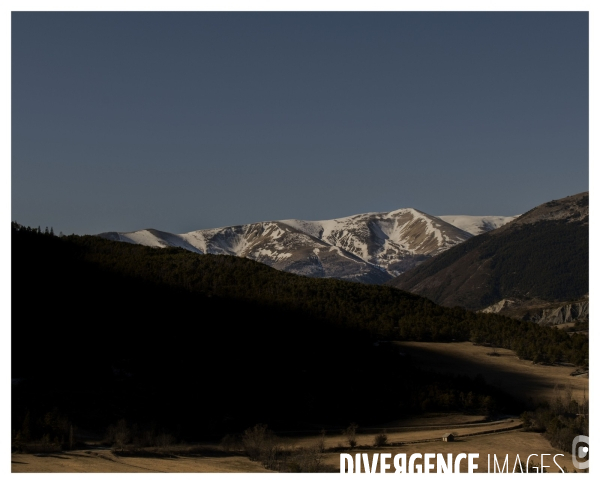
(520,378)
(106,461)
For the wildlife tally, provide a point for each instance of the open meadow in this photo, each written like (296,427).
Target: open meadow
(521,378)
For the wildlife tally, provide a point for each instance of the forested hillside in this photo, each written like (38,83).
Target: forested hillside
(104,330)
(543,254)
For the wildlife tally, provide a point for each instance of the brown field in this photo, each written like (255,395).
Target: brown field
(412,435)
(106,461)
(518,377)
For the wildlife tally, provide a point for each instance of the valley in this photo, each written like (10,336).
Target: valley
(437,368)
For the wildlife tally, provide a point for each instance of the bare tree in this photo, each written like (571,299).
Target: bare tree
(350,434)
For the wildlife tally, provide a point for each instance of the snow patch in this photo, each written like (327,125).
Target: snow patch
(476,224)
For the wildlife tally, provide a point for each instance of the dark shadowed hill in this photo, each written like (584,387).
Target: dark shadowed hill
(543,255)
(207,344)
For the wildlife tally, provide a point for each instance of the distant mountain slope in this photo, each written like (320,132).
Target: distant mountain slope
(370,247)
(475,224)
(542,254)
(543,312)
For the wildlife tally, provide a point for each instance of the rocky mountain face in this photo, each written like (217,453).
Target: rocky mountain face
(370,247)
(542,312)
(543,254)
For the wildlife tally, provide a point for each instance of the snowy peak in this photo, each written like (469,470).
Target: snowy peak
(151,238)
(476,224)
(285,246)
(369,247)
(390,240)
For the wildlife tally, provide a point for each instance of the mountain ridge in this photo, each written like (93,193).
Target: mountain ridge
(370,247)
(475,224)
(542,254)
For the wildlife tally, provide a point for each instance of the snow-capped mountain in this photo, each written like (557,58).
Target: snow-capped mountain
(369,247)
(475,224)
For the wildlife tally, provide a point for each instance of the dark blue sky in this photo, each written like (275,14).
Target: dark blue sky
(181,121)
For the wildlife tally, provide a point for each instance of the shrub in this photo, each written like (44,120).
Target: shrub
(43,446)
(258,442)
(380,440)
(305,459)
